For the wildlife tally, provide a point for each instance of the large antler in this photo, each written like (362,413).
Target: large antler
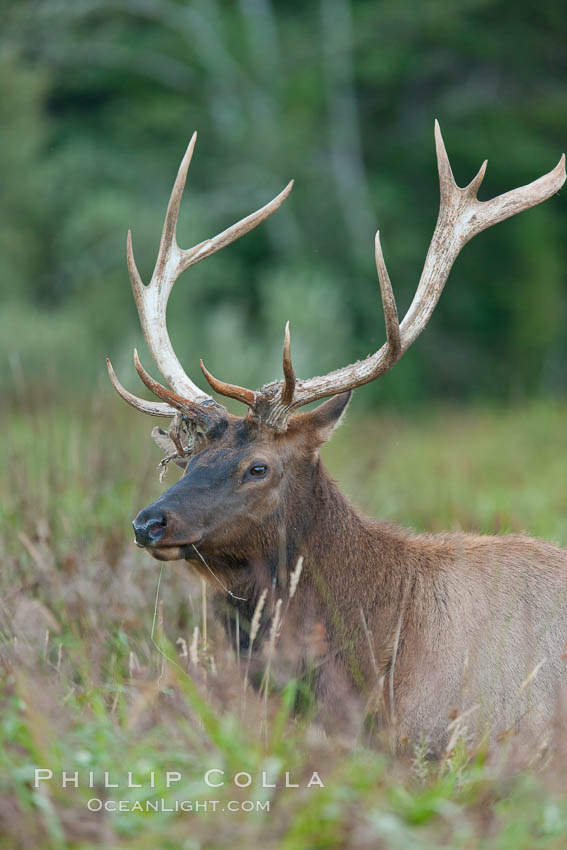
(151,301)
(461,216)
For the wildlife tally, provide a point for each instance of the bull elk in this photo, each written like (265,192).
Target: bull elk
(435,623)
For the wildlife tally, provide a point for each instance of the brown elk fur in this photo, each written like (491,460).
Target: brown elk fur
(423,626)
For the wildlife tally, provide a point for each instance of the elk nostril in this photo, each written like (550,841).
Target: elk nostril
(149,529)
(156,529)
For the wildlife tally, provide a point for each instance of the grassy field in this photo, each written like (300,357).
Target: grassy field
(100,672)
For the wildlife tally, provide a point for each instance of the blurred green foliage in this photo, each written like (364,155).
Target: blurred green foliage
(99,97)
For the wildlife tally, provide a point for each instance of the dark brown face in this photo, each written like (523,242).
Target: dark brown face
(236,488)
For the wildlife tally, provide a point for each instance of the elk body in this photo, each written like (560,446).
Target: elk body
(421,626)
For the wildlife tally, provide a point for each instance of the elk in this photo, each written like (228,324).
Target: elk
(434,624)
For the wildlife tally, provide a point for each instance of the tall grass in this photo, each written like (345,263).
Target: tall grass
(101,672)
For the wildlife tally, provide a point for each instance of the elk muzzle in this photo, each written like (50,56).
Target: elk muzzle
(155,531)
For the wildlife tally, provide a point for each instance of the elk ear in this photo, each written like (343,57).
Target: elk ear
(324,419)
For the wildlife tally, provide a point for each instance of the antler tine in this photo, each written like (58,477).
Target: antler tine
(288,386)
(152,407)
(151,300)
(476,182)
(388,304)
(229,390)
(169,233)
(461,216)
(210,246)
(506,205)
(447,184)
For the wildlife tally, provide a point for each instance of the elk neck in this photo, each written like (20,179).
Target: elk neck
(349,563)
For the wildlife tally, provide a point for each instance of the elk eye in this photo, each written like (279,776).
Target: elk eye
(258,470)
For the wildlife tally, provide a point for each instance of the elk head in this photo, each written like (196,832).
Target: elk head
(241,474)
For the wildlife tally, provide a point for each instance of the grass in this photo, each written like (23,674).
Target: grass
(98,674)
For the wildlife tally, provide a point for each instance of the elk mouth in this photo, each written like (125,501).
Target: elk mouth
(167,553)
(172,551)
